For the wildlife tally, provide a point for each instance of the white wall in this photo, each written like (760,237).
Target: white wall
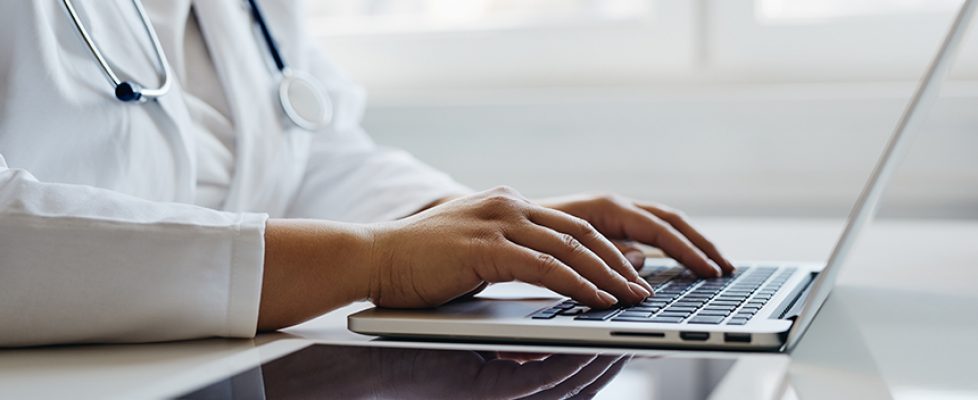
(708,105)
(801,149)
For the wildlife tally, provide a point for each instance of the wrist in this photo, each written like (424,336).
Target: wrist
(376,260)
(311,267)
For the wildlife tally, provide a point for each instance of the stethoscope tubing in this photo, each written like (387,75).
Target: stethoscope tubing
(297,91)
(266,34)
(162,63)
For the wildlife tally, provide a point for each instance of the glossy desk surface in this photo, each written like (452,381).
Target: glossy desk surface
(902,323)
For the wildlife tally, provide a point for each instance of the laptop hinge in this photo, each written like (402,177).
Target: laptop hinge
(791,306)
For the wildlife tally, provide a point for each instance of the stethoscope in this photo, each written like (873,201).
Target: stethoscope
(303,100)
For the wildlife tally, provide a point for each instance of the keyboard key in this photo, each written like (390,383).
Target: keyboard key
(639,314)
(573,311)
(679,314)
(597,315)
(737,321)
(545,314)
(690,304)
(644,308)
(631,319)
(680,309)
(666,320)
(724,303)
(706,320)
(722,313)
(719,308)
(659,298)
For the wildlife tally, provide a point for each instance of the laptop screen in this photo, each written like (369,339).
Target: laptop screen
(345,371)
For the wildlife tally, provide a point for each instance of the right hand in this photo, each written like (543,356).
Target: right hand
(459,247)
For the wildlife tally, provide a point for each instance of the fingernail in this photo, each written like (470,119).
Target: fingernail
(719,272)
(639,290)
(606,297)
(637,258)
(645,284)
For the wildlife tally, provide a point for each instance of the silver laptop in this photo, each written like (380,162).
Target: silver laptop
(763,306)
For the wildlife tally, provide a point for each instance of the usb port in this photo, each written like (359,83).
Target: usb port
(695,336)
(736,337)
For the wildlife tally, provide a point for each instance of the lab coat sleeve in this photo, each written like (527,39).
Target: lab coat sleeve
(350,178)
(82,264)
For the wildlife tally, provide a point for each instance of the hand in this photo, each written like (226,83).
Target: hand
(620,218)
(365,372)
(458,247)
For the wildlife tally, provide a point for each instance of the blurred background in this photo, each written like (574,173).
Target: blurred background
(718,107)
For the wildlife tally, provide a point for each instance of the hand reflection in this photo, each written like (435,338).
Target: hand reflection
(373,372)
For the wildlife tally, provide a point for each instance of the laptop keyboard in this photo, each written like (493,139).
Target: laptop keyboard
(680,297)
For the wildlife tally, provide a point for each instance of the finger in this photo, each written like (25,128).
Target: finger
(592,390)
(587,235)
(571,252)
(634,255)
(510,379)
(645,227)
(577,382)
(527,265)
(679,222)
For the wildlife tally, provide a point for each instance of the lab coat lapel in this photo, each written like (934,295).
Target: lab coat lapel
(249,87)
(175,118)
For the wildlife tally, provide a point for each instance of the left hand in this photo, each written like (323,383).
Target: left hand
(622,219)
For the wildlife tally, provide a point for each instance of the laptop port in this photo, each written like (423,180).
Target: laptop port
(639,334)
(695,336)
(736,337)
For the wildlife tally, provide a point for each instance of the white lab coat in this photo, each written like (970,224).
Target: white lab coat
(99,240)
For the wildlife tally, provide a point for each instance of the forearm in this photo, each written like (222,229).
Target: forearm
(311,267)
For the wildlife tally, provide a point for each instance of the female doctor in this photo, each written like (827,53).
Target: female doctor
(178,169)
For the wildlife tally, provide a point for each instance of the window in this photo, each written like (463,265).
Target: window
(781,10)
(831,40)
(405,16)
(517,43)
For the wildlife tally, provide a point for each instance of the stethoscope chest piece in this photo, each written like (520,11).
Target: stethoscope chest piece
(304,100)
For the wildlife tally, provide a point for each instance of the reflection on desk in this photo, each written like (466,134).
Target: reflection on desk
(334,371)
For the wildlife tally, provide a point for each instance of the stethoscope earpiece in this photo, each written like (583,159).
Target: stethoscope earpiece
(128,91)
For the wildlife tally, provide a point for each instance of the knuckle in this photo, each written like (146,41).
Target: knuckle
(502,189)
(709,245)
(609,199)
(571,243)
(497,206)
(501,200)
(672,215)
(584,228)
(546,265)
